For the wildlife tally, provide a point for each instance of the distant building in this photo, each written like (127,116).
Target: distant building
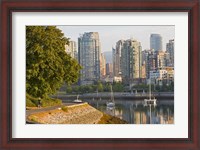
(144,55)
(160,76)
(163,59)
(117,79)
(71,49)
(89,51)
(150,58)
(143,70)
(109,69)
(155,60)
(170,50)
(102,65)
(117,58)
(170,73)
(156,42)
(114,61)
(131,60)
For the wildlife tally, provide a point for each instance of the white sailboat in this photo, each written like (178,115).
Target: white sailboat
(150,101)
(111,103)
(77,100)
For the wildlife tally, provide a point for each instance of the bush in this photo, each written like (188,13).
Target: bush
(29,103)
(50,102)
(33,102)
(107,119)
(64,108)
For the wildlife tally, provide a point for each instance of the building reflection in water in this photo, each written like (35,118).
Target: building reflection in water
(153,115)
(134,112)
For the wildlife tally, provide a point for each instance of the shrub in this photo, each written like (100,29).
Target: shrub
(64,108)
(50,102)
(33,102)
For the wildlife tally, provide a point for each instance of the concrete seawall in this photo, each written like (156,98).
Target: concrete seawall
(75,114)
(121,96)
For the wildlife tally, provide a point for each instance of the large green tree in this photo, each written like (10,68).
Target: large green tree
(48,66)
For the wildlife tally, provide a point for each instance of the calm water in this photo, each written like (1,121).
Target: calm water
(134,112)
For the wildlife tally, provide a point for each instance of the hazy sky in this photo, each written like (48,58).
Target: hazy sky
(109,35)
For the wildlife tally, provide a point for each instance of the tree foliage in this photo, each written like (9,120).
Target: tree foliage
(48,66)
(118,87)
(100,87)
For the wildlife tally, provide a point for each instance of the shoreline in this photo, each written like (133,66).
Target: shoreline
(125,96)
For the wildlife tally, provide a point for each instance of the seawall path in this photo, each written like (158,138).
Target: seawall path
(81,113)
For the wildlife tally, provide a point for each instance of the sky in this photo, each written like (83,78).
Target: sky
(109,35)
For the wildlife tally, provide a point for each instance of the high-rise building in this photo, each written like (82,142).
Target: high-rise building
(71,49)
(163,59)
(143,70)
(117,58)
(109,69)
(155,60)
(150,58)
(131,60)
(114,61)
(103,65)
(89,51)
(144,55)
(170,50)
(156,42)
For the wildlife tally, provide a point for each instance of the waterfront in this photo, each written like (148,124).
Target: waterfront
(134,112)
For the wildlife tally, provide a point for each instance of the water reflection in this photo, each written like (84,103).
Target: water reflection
(135,112)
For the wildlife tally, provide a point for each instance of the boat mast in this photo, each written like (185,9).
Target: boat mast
(150,88)
(150,115)
(112,98)
(97,93)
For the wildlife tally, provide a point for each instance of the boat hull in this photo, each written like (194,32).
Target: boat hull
(110,104)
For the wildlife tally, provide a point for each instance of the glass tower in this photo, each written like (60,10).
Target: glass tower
(89,57)
(156,42)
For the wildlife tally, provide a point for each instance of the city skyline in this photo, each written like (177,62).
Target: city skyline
(109,35)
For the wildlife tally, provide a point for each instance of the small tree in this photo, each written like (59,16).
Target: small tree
(100,87)
(118,87)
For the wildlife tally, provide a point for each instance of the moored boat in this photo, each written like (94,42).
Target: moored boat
(150,101)
(77,100)
(111,102)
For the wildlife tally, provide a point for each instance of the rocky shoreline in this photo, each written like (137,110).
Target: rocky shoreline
(75,114)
